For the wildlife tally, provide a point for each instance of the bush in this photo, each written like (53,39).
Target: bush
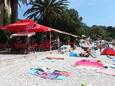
(3,36)
(6,18)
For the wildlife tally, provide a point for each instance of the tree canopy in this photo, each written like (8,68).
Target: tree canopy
(46,9)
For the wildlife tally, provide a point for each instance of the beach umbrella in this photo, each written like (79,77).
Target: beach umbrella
(26,25)
(20,26)
(108,51)
(39,28)
(2,28)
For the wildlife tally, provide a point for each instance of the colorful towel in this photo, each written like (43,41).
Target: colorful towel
(47,74)
(89,63)
(56,58)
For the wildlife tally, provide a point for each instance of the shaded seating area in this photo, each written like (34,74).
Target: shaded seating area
(45,45)
(3,46)
(21,38)
(22,42)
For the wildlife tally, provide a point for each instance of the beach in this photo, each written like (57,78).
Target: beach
(13,70)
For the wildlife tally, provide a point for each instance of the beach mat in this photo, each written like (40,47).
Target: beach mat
(47,73)
(89,63)
(56,58)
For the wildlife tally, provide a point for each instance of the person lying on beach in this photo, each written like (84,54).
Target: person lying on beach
(86,53)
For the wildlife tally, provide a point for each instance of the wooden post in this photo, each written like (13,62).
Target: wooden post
(50,41)
(58,39)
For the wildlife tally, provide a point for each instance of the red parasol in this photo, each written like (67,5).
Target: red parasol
(26,25)
(39,28)
(108,51)
(19,26)
(2,28)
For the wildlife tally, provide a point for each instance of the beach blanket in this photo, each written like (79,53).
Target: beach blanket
(48,60)
(89,63)
(109,71)
(49,74)
(56,58)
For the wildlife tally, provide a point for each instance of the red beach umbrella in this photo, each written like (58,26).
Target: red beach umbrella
(26,25)
(108,51)
(19,26)
(2,28)
(39,28)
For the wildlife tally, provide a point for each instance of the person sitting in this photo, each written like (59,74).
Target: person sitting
(86,53)
(65,48)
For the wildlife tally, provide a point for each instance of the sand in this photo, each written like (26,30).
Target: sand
(13,71)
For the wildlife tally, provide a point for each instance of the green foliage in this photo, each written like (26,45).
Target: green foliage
(6,17)
(38,37)
(69,22)
(97,31)
(46,9)
(4,36)
(64,38)
(110,32)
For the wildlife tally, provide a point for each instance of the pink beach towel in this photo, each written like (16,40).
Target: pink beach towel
(107,71)
(89,63)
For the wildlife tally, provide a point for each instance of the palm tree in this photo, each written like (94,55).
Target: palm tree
(46,9)
(4,11)
(14,9)
(1,11)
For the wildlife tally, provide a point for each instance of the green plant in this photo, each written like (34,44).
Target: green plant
(4,36)
(6,17)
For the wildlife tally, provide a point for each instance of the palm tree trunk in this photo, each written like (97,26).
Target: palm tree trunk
(1,12)
(14,10)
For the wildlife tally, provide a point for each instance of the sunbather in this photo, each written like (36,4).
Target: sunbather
(86,53)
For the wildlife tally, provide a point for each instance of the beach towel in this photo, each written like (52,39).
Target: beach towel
(109,71)
(89,63)
(35,71)
(56,58)
(60,78)
(62,73)
(47,74)
(49,60)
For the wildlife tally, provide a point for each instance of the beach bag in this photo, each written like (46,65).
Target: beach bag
(73,54)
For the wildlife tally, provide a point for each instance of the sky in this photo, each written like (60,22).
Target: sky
(93,12)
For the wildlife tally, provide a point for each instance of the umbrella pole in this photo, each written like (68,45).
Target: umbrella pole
(58,44)
(50,42)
